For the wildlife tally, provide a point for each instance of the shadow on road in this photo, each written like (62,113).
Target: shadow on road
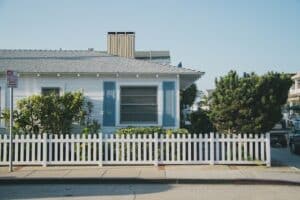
(77,190)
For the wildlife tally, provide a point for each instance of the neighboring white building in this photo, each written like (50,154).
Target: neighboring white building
(294,93)
(124,91)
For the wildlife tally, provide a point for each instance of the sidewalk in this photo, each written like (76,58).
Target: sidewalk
(150,174)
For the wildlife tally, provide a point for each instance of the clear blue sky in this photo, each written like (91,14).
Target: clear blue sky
(211,36)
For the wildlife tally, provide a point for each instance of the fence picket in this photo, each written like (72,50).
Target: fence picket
(234,143)
(162,147)
(245,146)
(139,148)
(217,158)
(239,147)
(228,149)
(184,147)
(144,148)
(128,147)
(195,145)
(256,147)
(78,139)
(72,147)
(27,147)
(5,152)
(189,148)
(173,147)
(123,147)
(95,139)
(134,148)
(200,139)
(167,145)
(251,147)
(206,147)
(16,145)
(150,148)
(50,143)
(33,143)
(67,152)
(117,147)
(223,148)
(178,147)
(89,148)
(262,147)
(111,147)
(39,150)
(106,148)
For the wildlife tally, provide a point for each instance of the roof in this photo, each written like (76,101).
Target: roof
(152,54)
(296,76)
(84,61)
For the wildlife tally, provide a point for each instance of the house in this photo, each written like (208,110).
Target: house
(294,93)
(124,91)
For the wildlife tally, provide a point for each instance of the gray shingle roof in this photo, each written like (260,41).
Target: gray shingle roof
(81,61)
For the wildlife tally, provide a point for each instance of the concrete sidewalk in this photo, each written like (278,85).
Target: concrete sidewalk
(167,174)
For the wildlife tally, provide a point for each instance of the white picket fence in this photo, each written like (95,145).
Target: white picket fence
(138,149)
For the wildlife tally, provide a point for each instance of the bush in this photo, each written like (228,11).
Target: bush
(249,103)
(53,114)
(200,122)
(149,130)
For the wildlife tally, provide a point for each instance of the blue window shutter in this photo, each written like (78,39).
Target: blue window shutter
(109,103)
(169,103)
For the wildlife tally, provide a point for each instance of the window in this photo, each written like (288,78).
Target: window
(50,90)
(138,104)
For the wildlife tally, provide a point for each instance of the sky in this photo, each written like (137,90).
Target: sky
(210,36)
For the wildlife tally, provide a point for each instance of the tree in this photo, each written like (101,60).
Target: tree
(249,104)
(53,114)
(200,122)
(187,98)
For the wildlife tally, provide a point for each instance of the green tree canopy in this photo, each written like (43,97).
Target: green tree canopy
(53,114)
(200,122)
(250,103)
(188,96)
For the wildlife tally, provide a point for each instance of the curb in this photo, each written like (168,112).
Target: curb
(13,181)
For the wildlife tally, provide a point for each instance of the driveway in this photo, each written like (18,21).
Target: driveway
(282,156)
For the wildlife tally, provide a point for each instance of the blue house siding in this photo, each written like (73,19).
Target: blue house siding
(169,104)
(109,103)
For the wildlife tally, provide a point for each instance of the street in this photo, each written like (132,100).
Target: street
(149,191)
(283,156)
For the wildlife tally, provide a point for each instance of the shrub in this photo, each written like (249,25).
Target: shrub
(53,114)
(149,130)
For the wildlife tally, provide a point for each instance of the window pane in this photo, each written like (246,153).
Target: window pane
(48,91)
(138,91)
(138,104)
(138,100)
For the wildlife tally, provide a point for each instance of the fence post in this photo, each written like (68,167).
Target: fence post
(100,150)
(44,149)
(212,149)
(268,150)
(156,149)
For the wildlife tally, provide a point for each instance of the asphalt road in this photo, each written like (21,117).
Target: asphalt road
(156,191)
(283,156)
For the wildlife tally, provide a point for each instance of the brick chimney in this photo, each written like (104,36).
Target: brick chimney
(121,44)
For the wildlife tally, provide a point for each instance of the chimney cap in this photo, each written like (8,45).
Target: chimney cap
(117,32)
